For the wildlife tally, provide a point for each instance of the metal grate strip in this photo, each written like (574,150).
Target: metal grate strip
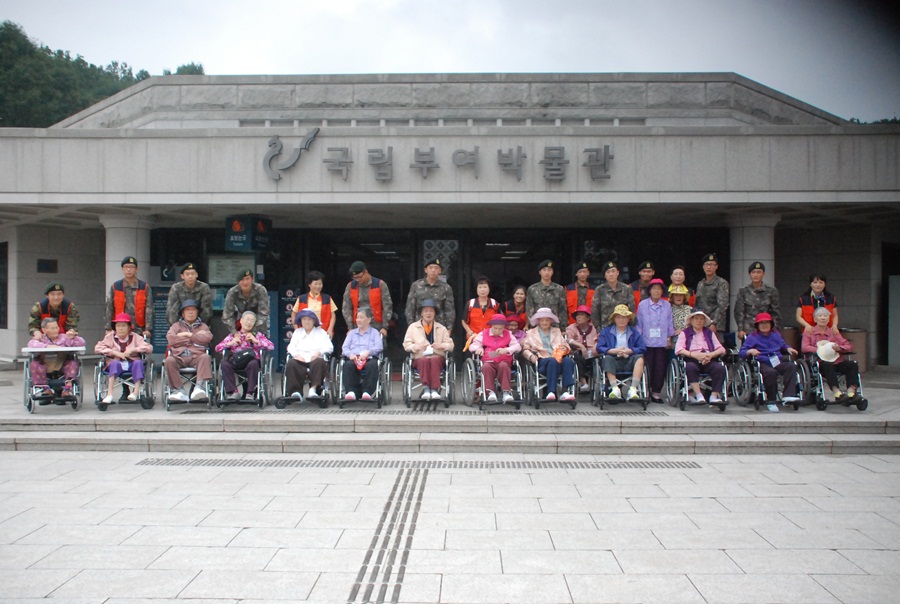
(425,464)
(315,411)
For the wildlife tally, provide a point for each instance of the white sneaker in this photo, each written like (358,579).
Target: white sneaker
(715,400)
(198,394)
(585,388)
(632,393)
(790,400)
(426,393)
(551,396)
(492,397)
(108,399)
(567,396)
(366,396)
(614,392)
(297,396)
(350,396)
(697,398)
(772,407)
(178,396)
(313,393)
(436,395)
(508,397)
(133,396)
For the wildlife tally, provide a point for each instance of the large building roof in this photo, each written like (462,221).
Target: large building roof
(566,100)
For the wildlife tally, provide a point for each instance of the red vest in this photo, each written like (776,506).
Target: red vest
(477,319)
(808,307)
(140,301)
(572,299)
(374,299)
(63,312)
(303,302)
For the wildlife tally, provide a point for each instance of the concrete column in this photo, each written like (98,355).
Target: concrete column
(752,239)
(127,236)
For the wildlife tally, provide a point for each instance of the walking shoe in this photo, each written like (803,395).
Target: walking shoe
(772,407)
(350,396)
(133,396)
(614,392)
(199,394)
(436,395)
(697,398)
(251,395)
(297,395)
(585,388)
(313,393)
(567,396)
(426,393)
(633,393)
(508,397)
(551,396)
(178,396)
(366,396)
(838,396)
(790,400)
(492,397)
(234,396)
(715,399)
(107,400)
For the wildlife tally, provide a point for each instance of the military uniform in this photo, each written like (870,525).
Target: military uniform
(387,305)
(606,299)
(552,296)
(712,298)
(129,291)
(236,305)
(440,292)
(751,301)
(201,294)
(34,319)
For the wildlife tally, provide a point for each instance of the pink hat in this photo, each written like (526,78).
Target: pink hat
(583,308)
(122,317)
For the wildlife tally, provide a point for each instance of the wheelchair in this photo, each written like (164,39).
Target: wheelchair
(412,387)
(126,382)
(52,393)
(676,389)
(472,388)
(189,375)
(748,386)
(815,389)
(536,386)
(264,387)
(325,397)
(382,389)
(623,381)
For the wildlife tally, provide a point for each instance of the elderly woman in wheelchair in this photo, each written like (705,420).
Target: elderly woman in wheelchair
(545,346)
(826,346)
(123,353)
(496,347)
(765,346)
(701,351)
(241,352)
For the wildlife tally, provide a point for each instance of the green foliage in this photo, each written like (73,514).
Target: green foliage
(40,87)
(889,120)
(186,69)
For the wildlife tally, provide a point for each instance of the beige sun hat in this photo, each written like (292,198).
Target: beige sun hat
(826,351)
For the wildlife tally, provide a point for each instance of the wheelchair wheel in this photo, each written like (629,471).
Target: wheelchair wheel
(673,389)
(385,380)
(645,389)
(741,387)
(596,382)
(467,380)
(862,405)
(406,381)
(79,396)
(102,406)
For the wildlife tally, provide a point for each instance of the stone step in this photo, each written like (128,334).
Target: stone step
(430,442)
(464,421)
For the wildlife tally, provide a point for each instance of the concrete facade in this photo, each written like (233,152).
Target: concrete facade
(690,150)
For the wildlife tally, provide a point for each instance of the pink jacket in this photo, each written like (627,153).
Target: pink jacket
(810,341)
(533,345)
(109,345)
(486,342)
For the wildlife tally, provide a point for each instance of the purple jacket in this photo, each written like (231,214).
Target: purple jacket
(766,345)
(655,320)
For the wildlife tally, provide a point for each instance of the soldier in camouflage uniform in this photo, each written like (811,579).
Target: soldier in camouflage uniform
(125,295)
(54,306)
(359,293)
(431,288)
(754,299)
(713,295)
(547,294)
(609,295)
(189,288)
(244,296)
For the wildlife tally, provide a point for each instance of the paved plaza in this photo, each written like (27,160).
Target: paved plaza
(116,527)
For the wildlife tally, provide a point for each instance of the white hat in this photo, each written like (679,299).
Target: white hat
(543,313)
(826,351)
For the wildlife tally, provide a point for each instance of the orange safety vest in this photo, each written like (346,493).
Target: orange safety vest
(808,307)
(572,298)
(140,301)
(477,319)
(63,312)
(374,298)
(303,302)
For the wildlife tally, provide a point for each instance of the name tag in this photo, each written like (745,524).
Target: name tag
(775,360)
(125,365)
(655,332)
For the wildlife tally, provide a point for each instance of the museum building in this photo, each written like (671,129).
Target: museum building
(492,173)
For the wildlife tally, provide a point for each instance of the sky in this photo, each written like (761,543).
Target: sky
(840,56)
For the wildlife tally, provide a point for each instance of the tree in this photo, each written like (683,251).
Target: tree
(187,69)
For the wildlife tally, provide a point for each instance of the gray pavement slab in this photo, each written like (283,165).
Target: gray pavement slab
(485,528)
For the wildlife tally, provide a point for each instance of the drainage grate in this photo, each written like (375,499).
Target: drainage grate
(315,411)
(425,464)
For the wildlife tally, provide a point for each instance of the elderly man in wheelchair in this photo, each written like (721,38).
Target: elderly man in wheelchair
(429,345)
(493,351)
(698,352)
(622,348)
(826,351)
